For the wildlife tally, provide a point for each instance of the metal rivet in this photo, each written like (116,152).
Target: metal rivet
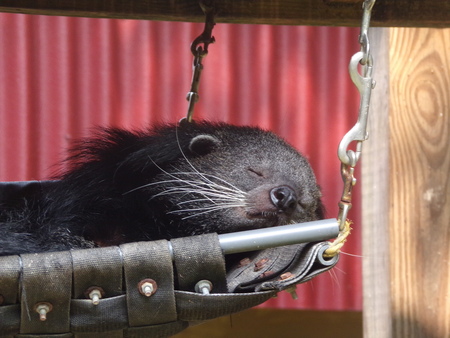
(204,287)
(266,274)
(95,293)
(260,264)
(286,275)
(43,308)
(244,261)
(293,292)
(147,287)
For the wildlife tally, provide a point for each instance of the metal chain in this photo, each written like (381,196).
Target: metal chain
(358,133)
(199,53)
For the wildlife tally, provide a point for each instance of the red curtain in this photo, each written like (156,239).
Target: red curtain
(62,76)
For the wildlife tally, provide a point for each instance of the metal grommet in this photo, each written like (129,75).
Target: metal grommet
(43,308)
(147,287)
(204,287)
(95,293)
(325,260)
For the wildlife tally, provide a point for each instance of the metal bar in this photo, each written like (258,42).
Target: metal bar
(258,239)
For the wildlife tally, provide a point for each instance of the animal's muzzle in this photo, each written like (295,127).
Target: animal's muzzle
(284,199)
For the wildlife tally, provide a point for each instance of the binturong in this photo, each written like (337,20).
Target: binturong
(169,181)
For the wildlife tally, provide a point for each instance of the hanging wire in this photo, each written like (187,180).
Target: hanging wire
(358,132)
(199,53)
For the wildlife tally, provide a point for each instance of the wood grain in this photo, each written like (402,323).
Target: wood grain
(387,13)
(375,197)
(420,182)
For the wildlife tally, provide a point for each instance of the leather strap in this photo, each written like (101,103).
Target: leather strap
(46,278)
(149,261)
(199,258)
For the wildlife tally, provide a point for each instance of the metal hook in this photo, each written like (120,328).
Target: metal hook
(358,132)
(363,37)
(199,53)
(364,83)
(205,37)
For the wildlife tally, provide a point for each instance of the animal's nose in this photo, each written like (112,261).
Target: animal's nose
(284,198)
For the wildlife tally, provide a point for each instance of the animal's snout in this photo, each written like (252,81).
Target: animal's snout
(284,198)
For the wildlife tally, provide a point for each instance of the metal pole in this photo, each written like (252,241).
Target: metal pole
(278,236)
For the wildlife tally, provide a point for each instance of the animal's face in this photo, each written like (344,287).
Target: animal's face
(237,179)
(169,181)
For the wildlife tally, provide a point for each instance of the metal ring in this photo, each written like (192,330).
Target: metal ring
(326,261)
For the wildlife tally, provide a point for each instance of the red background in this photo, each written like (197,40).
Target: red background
(61,76)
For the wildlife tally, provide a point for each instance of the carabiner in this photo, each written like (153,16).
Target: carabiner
(199,53)
(206,37)
(363,37)
(364,83)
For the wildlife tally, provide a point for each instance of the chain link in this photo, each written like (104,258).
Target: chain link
(199,53)
(358,132)
(364,84)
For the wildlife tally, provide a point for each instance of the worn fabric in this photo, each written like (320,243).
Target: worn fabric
(64,280)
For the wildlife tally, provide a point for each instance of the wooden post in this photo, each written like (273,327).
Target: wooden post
(375,197)
(420,182)
(418,191)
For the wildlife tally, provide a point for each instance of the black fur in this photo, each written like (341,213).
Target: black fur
(166,182)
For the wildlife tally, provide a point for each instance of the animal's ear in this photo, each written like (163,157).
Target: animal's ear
(203,144)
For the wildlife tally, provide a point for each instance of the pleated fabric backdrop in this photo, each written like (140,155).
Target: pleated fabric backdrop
(60,77)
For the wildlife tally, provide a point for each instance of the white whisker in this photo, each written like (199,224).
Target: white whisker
(203,210)
(185,157)
(191,187)
(349,254)
(215,207)
(233,187)
(215,201)
(202,192)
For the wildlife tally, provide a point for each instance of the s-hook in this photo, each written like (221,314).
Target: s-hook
(200,52)
(358,133)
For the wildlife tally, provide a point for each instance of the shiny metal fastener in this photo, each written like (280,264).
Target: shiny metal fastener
(204,287)
(42,309)
(147,287)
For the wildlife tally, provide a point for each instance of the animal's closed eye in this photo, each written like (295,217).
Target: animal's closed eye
(256,172)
